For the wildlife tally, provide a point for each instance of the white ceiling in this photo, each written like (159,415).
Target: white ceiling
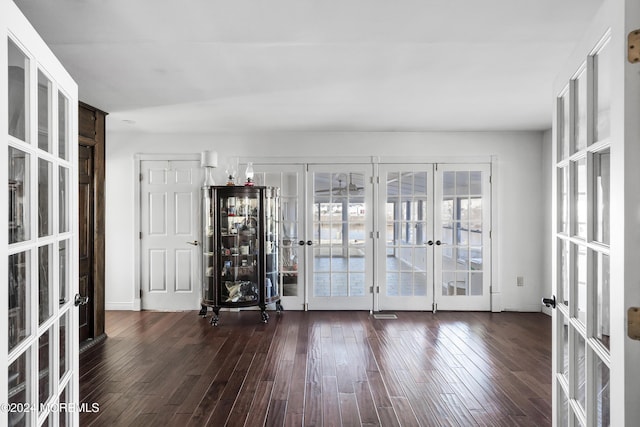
(314,65)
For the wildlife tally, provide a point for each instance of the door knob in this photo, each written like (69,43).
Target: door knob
(438,242)
(430,243)
(194,243)
(309,242)
(301,242)
(549,302)
(80,300)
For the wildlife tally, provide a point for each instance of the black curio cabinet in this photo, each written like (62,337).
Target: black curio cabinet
(240,249)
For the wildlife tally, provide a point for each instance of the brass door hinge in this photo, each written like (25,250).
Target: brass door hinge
(633,46)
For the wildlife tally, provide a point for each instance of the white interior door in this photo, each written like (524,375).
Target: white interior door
(462,237)
(405,266)
(582,325)
(170,229)
(290,180)
(340,219)
(39,349)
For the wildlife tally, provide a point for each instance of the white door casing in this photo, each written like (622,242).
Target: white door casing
(170,231)
(40,261)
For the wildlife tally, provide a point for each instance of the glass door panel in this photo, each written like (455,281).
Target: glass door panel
(340,223)
(290,180)
(461,237)
(405,263)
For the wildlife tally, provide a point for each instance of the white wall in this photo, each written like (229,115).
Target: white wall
(517,174)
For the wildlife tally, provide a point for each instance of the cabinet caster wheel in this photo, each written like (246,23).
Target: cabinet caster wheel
(203,311)
(265,317)
(279,307)
(214,320)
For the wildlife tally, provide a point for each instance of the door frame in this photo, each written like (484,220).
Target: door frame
(138,159)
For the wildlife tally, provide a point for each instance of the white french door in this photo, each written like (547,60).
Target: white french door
(434,250)
(39,349)
(170,231)
(582,319)
(340,219)
(290,180)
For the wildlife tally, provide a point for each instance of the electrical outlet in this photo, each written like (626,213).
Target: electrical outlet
(520,280)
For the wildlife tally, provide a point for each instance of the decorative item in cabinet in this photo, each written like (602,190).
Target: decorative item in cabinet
(240,248)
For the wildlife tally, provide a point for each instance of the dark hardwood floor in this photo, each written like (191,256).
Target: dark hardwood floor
(320,369)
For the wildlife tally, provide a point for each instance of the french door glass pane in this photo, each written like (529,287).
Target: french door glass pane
(18,92)
(45,192)
(601,377)
(20,389)
(602,101)
(580,280)
(45,366)
(19,206)
(461,233)
(563,180)
(580,198)
(19,298)
(45,282)
(564,416)
(563,271)
(63,127)
(63,199)
(63,420)
(602,299)
(580,117)
(579,363)
(564,126)
(602,187)
(44,112)
(63,270)
(563,351)
(64,344)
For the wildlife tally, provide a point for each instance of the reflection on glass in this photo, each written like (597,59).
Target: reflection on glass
(64,344)
(18,195)
(45,282)
(18,93)
(45,366)
(449,183)
(19,287)
(45,192)
(563,269)
(580,369)
(602,186)
(63,420)
(63,199)
(63,271)
(563,366)
(564,415)
(20,389)
(602,393)
(580,116)
(602,299)
(580,198)
(44,103)
(581,282)
(563,180)
(63,126)
(602,100)
(563,126)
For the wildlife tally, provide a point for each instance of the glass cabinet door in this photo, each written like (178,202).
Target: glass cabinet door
(239,249)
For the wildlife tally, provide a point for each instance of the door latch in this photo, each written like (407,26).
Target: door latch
(80,300)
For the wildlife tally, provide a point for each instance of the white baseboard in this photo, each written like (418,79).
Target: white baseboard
(127,306)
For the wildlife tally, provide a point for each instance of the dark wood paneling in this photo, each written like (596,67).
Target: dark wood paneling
(320,368)
(91,126)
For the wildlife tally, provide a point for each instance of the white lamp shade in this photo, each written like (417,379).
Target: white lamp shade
(209,159)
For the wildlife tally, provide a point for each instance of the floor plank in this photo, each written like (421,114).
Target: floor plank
(320,369)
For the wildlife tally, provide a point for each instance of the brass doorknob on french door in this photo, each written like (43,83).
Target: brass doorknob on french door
(194,243)
(549,302)
(80,300)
